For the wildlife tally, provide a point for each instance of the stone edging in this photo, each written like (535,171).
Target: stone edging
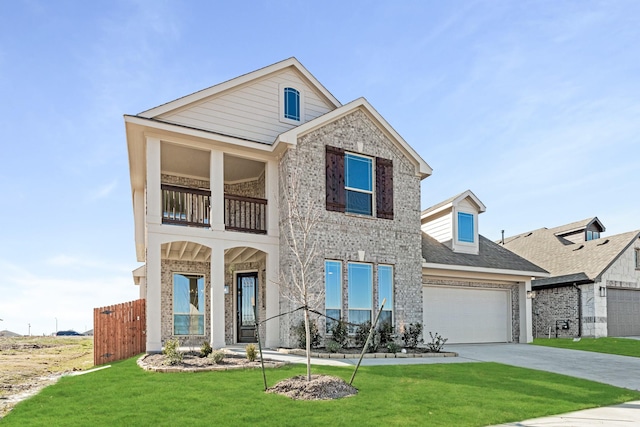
(141,363)
(299,352)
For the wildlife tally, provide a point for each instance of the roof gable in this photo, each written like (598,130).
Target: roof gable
(467,196)
(249,106)
(291,137)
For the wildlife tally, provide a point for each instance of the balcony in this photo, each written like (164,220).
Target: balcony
(192,207)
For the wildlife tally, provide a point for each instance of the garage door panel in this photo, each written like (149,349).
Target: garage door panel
(623,312)
(467,315)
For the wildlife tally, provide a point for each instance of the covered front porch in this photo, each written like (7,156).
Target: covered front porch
(197,292)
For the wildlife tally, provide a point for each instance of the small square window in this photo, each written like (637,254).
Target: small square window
(465,227)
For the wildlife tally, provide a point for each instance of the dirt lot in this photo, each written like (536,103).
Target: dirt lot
(29,363)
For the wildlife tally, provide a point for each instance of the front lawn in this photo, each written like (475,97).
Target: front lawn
(619,346)
(466,394)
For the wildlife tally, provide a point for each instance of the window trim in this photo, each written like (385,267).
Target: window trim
(301,100)
(340,287)
(637,251)
(371,192)
(173,304)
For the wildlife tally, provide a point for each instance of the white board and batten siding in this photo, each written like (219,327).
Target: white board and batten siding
(467,315)
(252,111)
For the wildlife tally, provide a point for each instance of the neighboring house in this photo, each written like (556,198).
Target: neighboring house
(594,288)
(474,290)
(208,181)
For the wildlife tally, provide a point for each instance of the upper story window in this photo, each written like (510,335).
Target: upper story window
(637,259)
(466,231)
(352,180)
(592,235)
(291,104)
(358,171)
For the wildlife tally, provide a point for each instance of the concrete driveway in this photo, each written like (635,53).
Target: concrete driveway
(620,371)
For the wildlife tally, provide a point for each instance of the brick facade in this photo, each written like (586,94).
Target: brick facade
(341,236)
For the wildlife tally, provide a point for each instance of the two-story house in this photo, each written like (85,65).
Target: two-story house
(208,176)
(594,288)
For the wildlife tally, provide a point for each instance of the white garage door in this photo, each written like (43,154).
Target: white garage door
(467,315)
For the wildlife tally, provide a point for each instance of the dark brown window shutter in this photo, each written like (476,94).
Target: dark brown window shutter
(384,188)
(336,198)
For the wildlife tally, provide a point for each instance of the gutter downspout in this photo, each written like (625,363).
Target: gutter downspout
(579,310)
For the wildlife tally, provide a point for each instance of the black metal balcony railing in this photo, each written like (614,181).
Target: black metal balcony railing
(192,207)
(245,214)
(185,206)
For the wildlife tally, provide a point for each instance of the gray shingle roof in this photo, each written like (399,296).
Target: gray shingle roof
(563,258)
(491,255)
(578,225)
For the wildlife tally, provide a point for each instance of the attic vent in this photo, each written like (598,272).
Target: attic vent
(528,234)
(603,243)
(578,248)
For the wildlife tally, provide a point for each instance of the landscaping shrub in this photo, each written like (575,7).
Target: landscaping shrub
(340,333)
(386,333)
(362,333)
(437,343)
(301,334)
(411,335)
(393,347)
(217,356)
(332,346)
(205,349)
(172,351)
(252,352)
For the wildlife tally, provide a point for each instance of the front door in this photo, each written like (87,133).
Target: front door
(247,298)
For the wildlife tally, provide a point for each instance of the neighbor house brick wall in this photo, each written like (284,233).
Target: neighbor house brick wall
(555,304)
(514,292)
(340,236)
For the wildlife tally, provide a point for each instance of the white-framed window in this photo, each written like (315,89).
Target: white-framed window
(385,290)
(188,304)
(466,227)
(358,180)
(360,291)
(291,104)
(592,235)
(333,292)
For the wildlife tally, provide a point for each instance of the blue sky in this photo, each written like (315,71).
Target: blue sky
(533,105)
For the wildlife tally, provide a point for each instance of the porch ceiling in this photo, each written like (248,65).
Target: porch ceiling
(186,251)
(190,251)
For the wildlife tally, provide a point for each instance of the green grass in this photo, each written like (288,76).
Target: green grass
(619,346)
(466,394)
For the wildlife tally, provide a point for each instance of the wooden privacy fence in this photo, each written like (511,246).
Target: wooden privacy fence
(119,331)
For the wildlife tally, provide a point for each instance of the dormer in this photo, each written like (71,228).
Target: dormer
(454,222)
(580,231)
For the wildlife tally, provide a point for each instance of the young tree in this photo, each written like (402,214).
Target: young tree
(300,279)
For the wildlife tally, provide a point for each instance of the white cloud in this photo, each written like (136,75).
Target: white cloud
(103,191)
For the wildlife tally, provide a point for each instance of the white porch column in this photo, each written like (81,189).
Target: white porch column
(216,184)
(154,301)
(271,194)
(217,298)
(272,340)
(526,324)
(154,193)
